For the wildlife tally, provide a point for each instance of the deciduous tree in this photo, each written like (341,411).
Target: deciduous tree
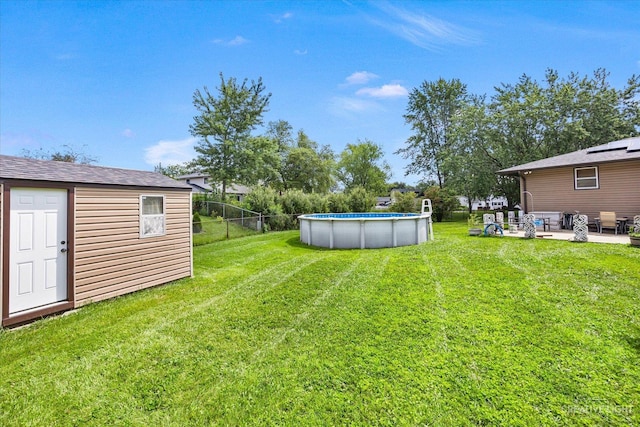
(431,111)
(226,150)
(302,164)
(362,165)
(67,154)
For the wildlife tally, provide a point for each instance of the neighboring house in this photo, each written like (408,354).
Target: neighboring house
(602,178)
(200,184)
(72,234)
(492,203)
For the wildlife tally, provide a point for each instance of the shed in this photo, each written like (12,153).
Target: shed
(72,234)
(601,178)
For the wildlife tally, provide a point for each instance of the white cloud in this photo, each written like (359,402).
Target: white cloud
(278,19)
(236,41)
(385,91)
(170,152)
(346,106)
(128,133)
(360,78)
(300,52)
(422,30)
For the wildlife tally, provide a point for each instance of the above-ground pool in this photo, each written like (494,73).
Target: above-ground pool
(365,230)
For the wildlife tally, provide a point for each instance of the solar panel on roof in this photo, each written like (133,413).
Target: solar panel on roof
(611,146)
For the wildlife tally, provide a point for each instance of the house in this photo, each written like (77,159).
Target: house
(200,184)
(72,234)
(491,203)
(601,178)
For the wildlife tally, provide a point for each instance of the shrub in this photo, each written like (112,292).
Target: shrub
(295,202)
(319,203)
(443,201)
(403,202)
(338,202)
(276,220)
(360,200)
(261,199)
(196,223)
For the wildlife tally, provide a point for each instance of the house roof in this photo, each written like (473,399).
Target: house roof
(625,149)
(51,171)
(193,175)
(238,189)
(200,188)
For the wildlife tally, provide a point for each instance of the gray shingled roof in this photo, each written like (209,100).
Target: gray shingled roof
(625,149)
(50,171)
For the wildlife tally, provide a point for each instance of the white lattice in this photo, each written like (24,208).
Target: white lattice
(500,219)
(636,224)
(529,225)
(488,219)
(580,228)
(513,224)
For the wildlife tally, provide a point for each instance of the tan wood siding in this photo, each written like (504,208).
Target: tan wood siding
(1,246)
(111,258)
(553,190)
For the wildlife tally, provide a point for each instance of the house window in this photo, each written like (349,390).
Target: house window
(152,219)
(586,178)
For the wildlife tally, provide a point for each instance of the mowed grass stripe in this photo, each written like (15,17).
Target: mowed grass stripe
(289,376)
(279,333)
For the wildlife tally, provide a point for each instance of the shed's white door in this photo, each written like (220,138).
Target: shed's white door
(38,263)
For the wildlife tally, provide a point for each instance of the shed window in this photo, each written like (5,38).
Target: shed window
(586,178)
(152,217)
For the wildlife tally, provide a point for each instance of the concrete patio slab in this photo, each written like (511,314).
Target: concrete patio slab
(568,235)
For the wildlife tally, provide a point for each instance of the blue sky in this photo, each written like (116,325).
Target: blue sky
(115,79)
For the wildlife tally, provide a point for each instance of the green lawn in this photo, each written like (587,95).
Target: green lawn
(456,332)
(214,230)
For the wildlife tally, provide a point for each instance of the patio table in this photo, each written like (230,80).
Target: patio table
(621,224)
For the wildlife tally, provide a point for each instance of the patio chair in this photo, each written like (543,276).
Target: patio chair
(607,220)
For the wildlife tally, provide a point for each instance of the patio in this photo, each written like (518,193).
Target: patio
(594,237)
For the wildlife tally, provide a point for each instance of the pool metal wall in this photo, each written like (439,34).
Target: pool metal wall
(352,231)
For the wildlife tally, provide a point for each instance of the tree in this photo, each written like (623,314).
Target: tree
(530,121)
(226,150)
(431,111)
(472,172)
(69,155)
(302,164)
(173,171)
(443,201)
(362,165)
